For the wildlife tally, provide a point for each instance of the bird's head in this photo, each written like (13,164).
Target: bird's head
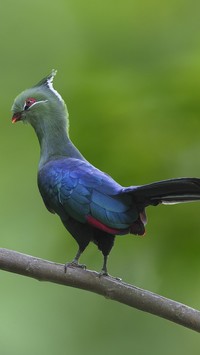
(39,103)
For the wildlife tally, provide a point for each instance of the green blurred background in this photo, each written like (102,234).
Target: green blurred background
(130,74)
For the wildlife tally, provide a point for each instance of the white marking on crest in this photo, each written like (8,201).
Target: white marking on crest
(50,85)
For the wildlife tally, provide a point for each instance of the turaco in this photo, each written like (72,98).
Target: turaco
(91,205)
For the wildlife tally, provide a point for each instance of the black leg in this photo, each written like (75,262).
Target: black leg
(82,233)
(77,256)
(104,270)
(105,242)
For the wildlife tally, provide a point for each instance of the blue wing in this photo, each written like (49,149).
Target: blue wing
(82,191)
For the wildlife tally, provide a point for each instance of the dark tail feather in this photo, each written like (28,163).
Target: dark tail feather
(166,192)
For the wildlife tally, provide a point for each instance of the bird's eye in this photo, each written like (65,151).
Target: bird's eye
(29,102)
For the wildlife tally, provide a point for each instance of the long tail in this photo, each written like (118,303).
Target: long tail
(167,192)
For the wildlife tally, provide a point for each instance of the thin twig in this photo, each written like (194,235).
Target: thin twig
(108,287)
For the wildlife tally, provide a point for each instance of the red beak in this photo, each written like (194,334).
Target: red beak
(16,117)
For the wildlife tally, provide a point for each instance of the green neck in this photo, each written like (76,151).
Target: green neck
(54,140)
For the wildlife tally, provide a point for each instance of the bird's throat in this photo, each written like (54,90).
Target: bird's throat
(54,142)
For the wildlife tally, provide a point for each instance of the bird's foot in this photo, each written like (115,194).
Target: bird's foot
(105,273)
(74,264)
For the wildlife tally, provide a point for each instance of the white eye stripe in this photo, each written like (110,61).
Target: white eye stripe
(35,103)
(38,102)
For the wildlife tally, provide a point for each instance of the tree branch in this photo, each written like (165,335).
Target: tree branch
(108,287)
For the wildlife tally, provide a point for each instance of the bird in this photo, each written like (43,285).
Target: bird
(92,206)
